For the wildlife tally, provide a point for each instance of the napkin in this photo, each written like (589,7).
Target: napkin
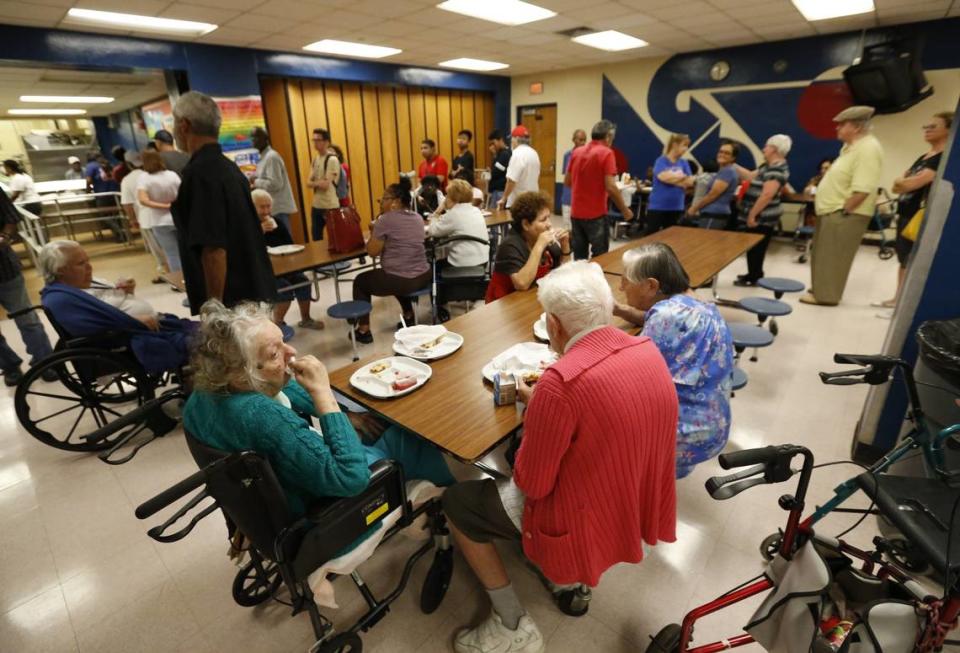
(413,337)
(525,356)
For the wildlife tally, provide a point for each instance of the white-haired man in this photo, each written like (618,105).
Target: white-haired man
(760,208)
(594,449)
(221,244)
(846,199)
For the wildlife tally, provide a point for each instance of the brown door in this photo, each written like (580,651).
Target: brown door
(542,123)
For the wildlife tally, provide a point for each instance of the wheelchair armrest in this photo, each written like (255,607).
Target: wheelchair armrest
(152,506)
(23,311)
(157,532)
(333,525)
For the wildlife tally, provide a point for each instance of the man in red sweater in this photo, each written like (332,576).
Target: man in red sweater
(594,476)
(433,165)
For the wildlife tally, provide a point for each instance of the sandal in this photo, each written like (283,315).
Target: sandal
(316,325)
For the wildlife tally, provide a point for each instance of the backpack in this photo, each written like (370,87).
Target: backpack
(343,186)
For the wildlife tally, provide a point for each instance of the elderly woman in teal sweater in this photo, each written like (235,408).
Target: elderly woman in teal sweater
(252,392)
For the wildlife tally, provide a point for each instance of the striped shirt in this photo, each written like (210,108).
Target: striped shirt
(778,172)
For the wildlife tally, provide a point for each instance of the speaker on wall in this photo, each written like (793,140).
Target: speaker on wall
(888,76)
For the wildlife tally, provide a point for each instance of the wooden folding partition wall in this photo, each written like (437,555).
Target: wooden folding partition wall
(378,127)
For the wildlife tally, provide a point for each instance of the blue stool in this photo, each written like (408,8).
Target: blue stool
(415,297)
(764,307)
(334,268)
(780,285)
(739,378)
(351,312)
(748,335)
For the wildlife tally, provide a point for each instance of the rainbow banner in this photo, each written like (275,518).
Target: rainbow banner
(239,116)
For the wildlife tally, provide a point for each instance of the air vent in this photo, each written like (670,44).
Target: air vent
(576,31)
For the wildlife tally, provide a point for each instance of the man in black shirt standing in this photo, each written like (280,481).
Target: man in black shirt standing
(498,169)
(463,165)
(221,244)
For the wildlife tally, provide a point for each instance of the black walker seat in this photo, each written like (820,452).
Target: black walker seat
(285,550)
(921,509)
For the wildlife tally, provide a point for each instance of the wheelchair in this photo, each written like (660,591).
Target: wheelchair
(284,550)
(457,284)
(102,400)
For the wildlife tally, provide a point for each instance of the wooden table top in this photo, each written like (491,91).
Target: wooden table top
(314,255)
(498,218)
(703,252)
(455,409)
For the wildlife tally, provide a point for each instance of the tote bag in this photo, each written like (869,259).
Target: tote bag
(912,230)
(343,230)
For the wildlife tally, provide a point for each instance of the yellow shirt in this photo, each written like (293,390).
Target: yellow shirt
(326,199)
(856,170)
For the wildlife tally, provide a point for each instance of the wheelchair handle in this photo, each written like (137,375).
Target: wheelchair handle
(133,417)
(720,487)
(23,311)
(759,456)
(152,506)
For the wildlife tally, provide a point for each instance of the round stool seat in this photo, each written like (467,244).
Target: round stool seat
(349,310)
(805,231)
(739,378)
(781,285)
(765,306)
(749,335)
(339,266)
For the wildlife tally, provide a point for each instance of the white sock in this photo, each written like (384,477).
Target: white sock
(507,605)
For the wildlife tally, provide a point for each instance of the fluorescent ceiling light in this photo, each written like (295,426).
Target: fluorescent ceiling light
(67,99)
(348,49)
(826,9)
(466,63)
(138,23)
(611,40)
(505,12)
(46,112)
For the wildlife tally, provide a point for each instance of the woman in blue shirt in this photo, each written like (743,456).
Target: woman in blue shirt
(713,209)
(671,178)
(245,399)
(694,341)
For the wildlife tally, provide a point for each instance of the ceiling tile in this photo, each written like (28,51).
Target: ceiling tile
(387,8)
(912,17)
(185,11)
(292,10)
(598,10)
(555,24)
(235,5)
(32,12)
(233,36)
(680,11)
(269,24)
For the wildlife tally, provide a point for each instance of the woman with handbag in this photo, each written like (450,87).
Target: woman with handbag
(914,187)
(397,237)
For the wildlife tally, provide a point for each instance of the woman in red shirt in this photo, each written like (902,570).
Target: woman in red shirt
(532,249)
(594,475)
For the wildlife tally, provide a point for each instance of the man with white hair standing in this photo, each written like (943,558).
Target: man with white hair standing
(222,250)
(598,443)
(760,208)
(523,171)
(846,199)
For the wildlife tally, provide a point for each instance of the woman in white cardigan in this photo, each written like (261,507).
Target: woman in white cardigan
(459,218)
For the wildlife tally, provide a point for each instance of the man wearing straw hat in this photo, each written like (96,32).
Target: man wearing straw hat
(846,198)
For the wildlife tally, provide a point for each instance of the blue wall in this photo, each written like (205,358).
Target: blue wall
(226,71)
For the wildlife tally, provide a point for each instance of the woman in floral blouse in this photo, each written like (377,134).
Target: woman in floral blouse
(694,341)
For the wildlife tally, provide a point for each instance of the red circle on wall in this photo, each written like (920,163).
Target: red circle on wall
(820,102)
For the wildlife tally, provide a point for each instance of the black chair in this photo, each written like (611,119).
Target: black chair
(285,550)
(458,284)
(102,400)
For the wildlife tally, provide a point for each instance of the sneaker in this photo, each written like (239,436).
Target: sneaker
(443,315)
(49,375)
(12,377)
(362,338)
(316,325)
(287,331)
(492,636)
(744,281)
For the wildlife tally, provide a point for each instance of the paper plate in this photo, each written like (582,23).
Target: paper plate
(379,384)
(283,250)
(449,343)
(540,328)
(537,350)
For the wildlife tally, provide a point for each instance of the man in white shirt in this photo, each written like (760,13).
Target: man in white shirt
(131,206)
(272,177)
(523,172)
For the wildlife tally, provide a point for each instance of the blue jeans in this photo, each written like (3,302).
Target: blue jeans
(166,237)
(13,297)
(493,198)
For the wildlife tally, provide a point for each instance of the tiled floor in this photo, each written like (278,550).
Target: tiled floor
(78,572)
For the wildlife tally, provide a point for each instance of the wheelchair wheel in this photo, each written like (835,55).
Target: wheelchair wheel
(573,603)
(342,643)
(770,546)
(256,582)
(437,581)
(94,387)
(667,640)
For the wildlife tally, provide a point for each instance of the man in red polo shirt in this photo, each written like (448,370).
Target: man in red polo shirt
(432,164)
(592,178)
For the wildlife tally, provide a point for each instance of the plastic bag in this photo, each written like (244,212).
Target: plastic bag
(939,342)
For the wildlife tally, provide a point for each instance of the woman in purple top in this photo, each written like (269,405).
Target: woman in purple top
(397,238)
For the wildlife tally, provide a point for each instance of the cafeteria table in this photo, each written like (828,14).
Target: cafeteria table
(703,252)
(454,410)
